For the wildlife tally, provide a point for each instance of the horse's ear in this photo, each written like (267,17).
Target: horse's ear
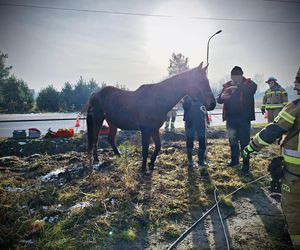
(205,68)
(200,66)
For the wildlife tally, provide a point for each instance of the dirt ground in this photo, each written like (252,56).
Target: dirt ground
(254,222)
(52,202)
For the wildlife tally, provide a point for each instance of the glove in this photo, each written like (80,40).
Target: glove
(247,151)
(263,110)
(275,167)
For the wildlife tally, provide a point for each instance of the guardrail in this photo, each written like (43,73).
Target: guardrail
(42,120)
(80,118)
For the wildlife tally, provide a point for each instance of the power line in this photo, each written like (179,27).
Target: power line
(282,1)
(148,15)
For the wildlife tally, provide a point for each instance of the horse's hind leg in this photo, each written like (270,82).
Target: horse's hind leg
(145,142)
(156,139)
(112,138)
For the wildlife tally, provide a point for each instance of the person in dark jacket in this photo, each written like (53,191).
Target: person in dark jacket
(237,97)
(195,117)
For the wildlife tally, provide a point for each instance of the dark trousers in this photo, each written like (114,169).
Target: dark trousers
(200,130)
(239,136)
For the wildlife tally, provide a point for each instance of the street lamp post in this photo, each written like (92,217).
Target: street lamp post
(207,50)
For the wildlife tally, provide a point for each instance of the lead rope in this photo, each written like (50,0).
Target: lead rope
(220,216)
(184,234)
(218,208)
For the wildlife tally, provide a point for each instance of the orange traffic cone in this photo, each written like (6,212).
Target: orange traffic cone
(77,123)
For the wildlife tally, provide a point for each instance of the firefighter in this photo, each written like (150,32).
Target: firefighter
(237,96)
(286,124)
(274,100)
(195,117)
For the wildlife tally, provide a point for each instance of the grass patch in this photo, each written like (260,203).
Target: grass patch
(171,231)
(128,234)
(123,201)
(226,200)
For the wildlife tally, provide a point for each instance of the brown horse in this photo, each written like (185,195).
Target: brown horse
(144,109)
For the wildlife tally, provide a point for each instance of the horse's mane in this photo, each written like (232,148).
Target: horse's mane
(176,77)
(146,85)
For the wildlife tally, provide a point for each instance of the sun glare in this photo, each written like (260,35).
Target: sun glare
(179,33)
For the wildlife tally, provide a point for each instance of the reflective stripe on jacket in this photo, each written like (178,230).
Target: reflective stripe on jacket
(288,120)
(275,98)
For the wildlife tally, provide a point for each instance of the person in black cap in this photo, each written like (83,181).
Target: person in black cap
(237,97)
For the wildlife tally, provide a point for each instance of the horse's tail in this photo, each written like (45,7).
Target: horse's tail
(91,123)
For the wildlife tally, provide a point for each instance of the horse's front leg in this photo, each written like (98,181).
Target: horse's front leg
(156,139)
(95,153)
(145,145)
(112,138)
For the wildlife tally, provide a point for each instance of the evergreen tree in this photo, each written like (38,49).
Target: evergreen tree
(4,70)
(83,91)
(15,96)
(177,64)
(67,97)
(48,99)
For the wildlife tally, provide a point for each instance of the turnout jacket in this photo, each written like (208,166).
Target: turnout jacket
(275,98)
(287,125)
(241,102)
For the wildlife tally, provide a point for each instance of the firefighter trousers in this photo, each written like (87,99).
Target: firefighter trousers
(290,202)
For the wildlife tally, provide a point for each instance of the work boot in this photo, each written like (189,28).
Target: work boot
(233,162)
(245,167)
(201,158)
(189,152)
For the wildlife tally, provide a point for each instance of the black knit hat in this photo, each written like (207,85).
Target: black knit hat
(237,71)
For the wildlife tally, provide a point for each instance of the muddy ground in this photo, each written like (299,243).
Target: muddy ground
(51,201)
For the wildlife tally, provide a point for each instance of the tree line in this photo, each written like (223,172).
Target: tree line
(16,97)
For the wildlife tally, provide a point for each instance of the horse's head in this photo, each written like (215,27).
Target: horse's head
(197,85)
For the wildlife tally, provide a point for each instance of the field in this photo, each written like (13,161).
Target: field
(114,206)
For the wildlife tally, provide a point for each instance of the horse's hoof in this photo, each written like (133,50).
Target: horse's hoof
(95,161)
(97,165)
(144,169)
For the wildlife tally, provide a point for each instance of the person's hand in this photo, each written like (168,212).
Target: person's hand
(225,96)
(263,110)
(248,150)
(231,89)
(228,92)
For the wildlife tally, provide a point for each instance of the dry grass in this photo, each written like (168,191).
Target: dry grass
(124,204)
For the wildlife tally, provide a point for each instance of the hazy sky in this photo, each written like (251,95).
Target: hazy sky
(47,46)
